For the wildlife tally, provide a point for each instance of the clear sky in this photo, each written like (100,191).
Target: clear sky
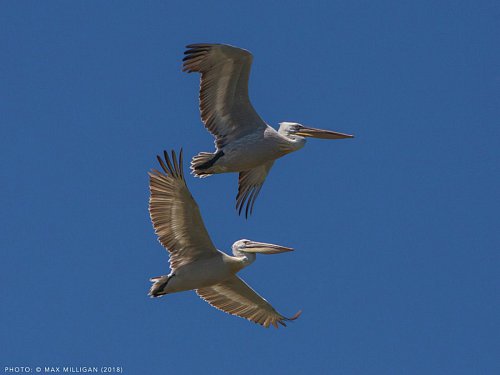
(396,232)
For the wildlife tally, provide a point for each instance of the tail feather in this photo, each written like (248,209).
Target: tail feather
(203,161)
(159,286)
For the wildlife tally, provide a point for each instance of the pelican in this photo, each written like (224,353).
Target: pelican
(244,142)
(195,263)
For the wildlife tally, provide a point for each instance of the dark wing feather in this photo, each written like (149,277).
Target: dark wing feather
(249,184)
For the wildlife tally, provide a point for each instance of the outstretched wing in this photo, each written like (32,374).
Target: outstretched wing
(249,184)
(235,297)
(225,107)
(175,215)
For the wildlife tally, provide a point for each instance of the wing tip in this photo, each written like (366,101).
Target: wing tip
(171,165)
(296,316)
(285,319)
(195,59)
(200,45)
(247,199)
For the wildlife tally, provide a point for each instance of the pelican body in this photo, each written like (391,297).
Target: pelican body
(249,152)
(194,261)
(244,142)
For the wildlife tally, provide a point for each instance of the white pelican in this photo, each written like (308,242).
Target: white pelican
(244,142)
(194,261)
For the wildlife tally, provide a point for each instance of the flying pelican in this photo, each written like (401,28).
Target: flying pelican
(194,261)
(244,142)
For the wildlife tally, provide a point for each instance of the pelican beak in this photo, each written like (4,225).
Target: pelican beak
(304,131)
(265,248)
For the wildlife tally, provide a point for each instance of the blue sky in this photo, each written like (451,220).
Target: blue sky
(396,232)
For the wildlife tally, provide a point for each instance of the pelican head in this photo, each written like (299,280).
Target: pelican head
(248,249)
(296,130)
